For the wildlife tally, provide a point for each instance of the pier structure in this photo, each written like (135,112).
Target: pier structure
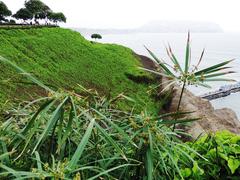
(223,91)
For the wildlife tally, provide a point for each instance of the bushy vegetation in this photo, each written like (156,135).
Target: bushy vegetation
(72,132)
(4,12)
(63,59)
(33,10)
(71,136)
(222,150)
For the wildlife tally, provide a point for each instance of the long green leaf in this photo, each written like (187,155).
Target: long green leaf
(220,79)
(69,125)
(51,123)
(149,162)
(44,107)
(211,68)
(215,70)
(178,121)
(120,130)
(6,154)
(39,165)
(78,153)
(199,61)
(187,55)
(167,71)
(155,72)
(42,110)
(173,58)
(109,170)
(172,114)
(169,153)
(110,140)
(218,74)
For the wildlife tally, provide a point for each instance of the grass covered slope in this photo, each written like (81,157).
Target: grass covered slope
(62,58)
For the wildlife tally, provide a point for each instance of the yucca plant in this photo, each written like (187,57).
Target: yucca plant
(188,75)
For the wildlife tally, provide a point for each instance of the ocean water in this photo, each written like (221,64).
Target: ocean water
(218,47)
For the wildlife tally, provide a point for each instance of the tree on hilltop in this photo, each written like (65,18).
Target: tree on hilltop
(44,13)
(37,8)
(57,17)
(23,14)
(96,36)
(4,12)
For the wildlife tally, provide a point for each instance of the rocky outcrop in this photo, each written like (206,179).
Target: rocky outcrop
(211,120)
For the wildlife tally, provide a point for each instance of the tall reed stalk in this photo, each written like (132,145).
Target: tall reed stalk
(184,76)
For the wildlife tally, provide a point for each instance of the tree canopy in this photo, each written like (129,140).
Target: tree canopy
(32,10)
(24,14)
(36,6)
(57,17)
(96,36)
(4,11)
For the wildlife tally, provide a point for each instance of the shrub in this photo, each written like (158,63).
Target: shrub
(67,135)
(222,150)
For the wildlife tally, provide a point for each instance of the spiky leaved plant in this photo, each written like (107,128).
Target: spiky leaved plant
(186,75)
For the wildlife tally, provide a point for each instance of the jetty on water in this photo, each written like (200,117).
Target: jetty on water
(223,91)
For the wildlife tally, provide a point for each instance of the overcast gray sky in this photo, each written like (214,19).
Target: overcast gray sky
(134,13)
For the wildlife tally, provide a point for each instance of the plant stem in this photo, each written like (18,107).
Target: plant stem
(179,103)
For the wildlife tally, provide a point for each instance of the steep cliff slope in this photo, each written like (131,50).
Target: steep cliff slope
(62,58)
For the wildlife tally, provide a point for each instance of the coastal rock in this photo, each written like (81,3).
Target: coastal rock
(211,120)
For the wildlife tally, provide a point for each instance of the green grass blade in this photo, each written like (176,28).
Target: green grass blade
(178,121)
(155,72)
(10,170)
(173,58)
(212,68)
(149,162)
(110,141)
(44,107)
(6,154)
(169,153)
(200,60)
(23,174)
(187,55)
(78,153)
(172,114)
(51,123)
(167,71)
(218,74)
(110,170)
(69,125)
(120,130)
(39,165)
(220,79)
(162,160)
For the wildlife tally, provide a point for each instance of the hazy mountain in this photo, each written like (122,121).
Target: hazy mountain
(180,26)
(161,27)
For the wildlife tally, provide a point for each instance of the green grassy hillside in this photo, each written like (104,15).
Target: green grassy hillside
(62,58)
